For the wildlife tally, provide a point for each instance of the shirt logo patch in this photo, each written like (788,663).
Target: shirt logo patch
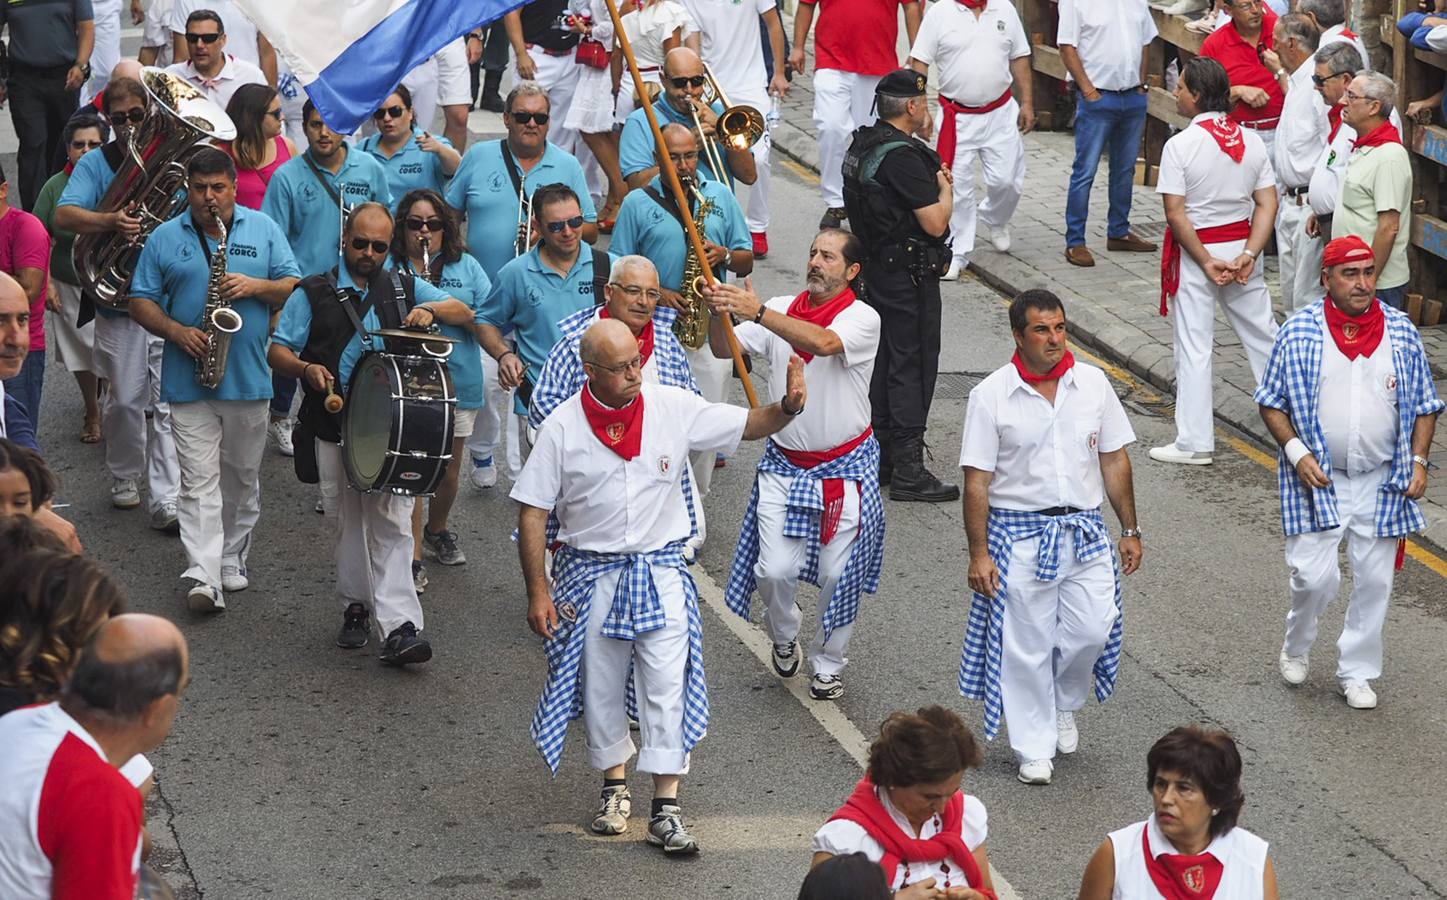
(494,182)
(1391,382)
(567,612)
(1195,878)
(664,463)
(410,169)
(1093,440)
(242,250)
(1000,25)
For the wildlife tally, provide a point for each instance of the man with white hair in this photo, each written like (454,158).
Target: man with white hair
(1376,191)
(1301,137)
(1331,17)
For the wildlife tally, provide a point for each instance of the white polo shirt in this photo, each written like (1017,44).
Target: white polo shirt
(234,73)
(240,32)
(837,410)
(1358,408)
(1044,455)
(733,46)
(842,837)
(972,54)
(1301,134)
(1336,34)
(1217,189)
(1110,36)
(606,504)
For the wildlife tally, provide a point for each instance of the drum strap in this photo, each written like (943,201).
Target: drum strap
(345,297)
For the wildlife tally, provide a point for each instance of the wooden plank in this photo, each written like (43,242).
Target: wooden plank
(1432,59)
(1046,60)
(1173,30)
(1429,233)
(1430,141)
(1161,104)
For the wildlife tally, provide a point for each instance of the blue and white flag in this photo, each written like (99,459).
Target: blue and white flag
(350,54)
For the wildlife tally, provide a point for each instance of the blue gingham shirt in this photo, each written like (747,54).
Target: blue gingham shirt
(980,660)
(1292,383)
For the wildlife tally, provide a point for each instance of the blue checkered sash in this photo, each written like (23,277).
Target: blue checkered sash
(980,660)
(635,610)
(806,508)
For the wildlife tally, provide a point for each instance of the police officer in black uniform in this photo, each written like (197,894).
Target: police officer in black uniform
(899,198)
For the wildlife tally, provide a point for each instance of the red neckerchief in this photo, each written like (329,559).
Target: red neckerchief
(1181,877)
(69,167)
(1385,133)
(1227,135)
(865,809)
(1333,116)
(821,315)
(833,487)
(1356,335)
(645,337)
(1067,362)
(1348,34)
(620,430)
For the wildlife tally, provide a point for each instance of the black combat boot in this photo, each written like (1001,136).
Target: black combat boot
(491,81)
(911,480)
(886,455)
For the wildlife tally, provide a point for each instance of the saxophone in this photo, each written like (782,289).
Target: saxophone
(691,326)
(219,321)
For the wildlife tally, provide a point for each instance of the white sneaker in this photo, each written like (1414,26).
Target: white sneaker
(164,518)
(1170,453)
(1359,695)
(125,494)
(1293,668)
(233,579)
(1205,25)
(1184,7)
(1000,239)
(613,811)
(957,268)
(1067,736)
(204,598)
(280,434)
(1036,771)
(484,473)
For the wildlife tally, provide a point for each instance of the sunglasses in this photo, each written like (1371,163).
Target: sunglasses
(417,223)
(689,81)
(378,247)
(574,223)
(524,118)
(194,38)
(1319,80)
(84,145)
(274,113)
(390,112)
(135,117)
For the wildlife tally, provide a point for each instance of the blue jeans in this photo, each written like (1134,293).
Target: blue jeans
(282,391)
(26,385)
(1395,297)
(1117,120)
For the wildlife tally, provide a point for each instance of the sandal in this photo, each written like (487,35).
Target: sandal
(90,433)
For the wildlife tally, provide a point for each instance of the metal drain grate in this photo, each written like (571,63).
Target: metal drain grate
(1153,231)
(956,385)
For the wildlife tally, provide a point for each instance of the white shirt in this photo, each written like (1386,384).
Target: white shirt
(1358,408)
(1110,36)
(1301,133)
(649,27)
(1217,189)
(234,73)
(240,33)
(1242,856)
(733,46)
(606,504)
(1044,455)
(841,837)
(1331,167)
(156,30)
(837,409)
(972,54)
(1336,34)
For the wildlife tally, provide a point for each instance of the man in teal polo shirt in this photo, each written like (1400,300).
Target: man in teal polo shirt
(306,190)
(220,430)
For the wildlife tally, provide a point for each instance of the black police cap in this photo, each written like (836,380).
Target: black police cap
(901,83)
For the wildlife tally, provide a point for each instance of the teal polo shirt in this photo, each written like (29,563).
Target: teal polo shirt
(637,150)
(647,229)
(464,280)
(411,167)
(173,273)
(89,181)
(306,212)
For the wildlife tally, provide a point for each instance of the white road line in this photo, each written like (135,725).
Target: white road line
(828,715)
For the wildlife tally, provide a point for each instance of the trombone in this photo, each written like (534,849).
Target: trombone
(524,240)
(738,127)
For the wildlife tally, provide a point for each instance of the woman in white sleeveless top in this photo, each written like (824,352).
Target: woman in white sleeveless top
(1190,848)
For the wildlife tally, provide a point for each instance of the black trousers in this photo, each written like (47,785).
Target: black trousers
(39,108)
(908,361)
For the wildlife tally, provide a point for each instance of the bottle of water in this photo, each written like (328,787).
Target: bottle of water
(772,117)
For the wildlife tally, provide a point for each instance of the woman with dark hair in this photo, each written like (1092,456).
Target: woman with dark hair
(26,486)
(260,148)
(413,158)
(909,815)
(1191,847)
(424,220)
(851,877)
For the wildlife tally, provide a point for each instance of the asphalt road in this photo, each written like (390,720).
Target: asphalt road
(300,770)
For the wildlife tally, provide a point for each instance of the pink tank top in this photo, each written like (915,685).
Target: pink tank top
(251,183)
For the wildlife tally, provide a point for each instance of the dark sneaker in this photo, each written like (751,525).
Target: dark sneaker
(666,830)
(442,546)
(826,687)
(833,217)
(613,812)
(356,628)
(419,576)
(403,646)
(786,659)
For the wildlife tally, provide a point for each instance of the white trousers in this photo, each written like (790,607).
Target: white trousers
(1316,578)
(129,358)
(454,81)
(1193,309)
(1298,255)
(777,572)
(1054,632)
(994,139)
(219,444)
(422,82)
(374,545)
(107,50)
(659,659)
(712,376)
(842,103)
(487,434)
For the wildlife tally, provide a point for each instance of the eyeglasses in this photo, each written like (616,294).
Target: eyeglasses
(1319,80)
(1352,97)
(194,38)
(378,247)
(389,112)
(417,223)
(525,118)
(84,145)
(634,363)
(691,156)
(574,223)
(274,113)
(689,81)
(634,291)
(135,117)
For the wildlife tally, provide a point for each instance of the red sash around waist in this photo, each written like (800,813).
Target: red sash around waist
(947,128)
(1171,253)
(833,487)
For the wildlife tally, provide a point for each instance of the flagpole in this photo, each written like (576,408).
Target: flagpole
(665,168)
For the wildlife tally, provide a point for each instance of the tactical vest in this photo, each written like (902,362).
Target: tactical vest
(873,216)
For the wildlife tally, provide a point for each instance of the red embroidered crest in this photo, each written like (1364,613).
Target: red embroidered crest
(1194,878)
(1391,382)
(1349,331)
(615,432)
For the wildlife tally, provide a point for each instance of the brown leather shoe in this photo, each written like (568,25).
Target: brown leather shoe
(1130,244)
(1079,256)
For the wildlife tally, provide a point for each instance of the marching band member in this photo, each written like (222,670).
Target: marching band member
(1220,200)
(1300,139)
(650,224)
(816,513)
(1044,442)
(220,428)
(413,157)
(1348,395)
(317,341)
(126,356)
(609,463)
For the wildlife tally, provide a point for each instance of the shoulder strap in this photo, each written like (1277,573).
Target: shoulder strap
(875,158)
(336,198)
(514,174)
(347,298)
(602,268)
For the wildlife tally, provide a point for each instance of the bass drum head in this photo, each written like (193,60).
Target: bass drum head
(367,431)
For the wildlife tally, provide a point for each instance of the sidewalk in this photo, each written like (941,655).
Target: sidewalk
(1113,306)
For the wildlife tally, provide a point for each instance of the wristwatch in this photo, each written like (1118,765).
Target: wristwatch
(1421,461)
(1130,532)
(84,69)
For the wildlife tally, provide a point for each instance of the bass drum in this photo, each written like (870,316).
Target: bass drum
(397,431)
